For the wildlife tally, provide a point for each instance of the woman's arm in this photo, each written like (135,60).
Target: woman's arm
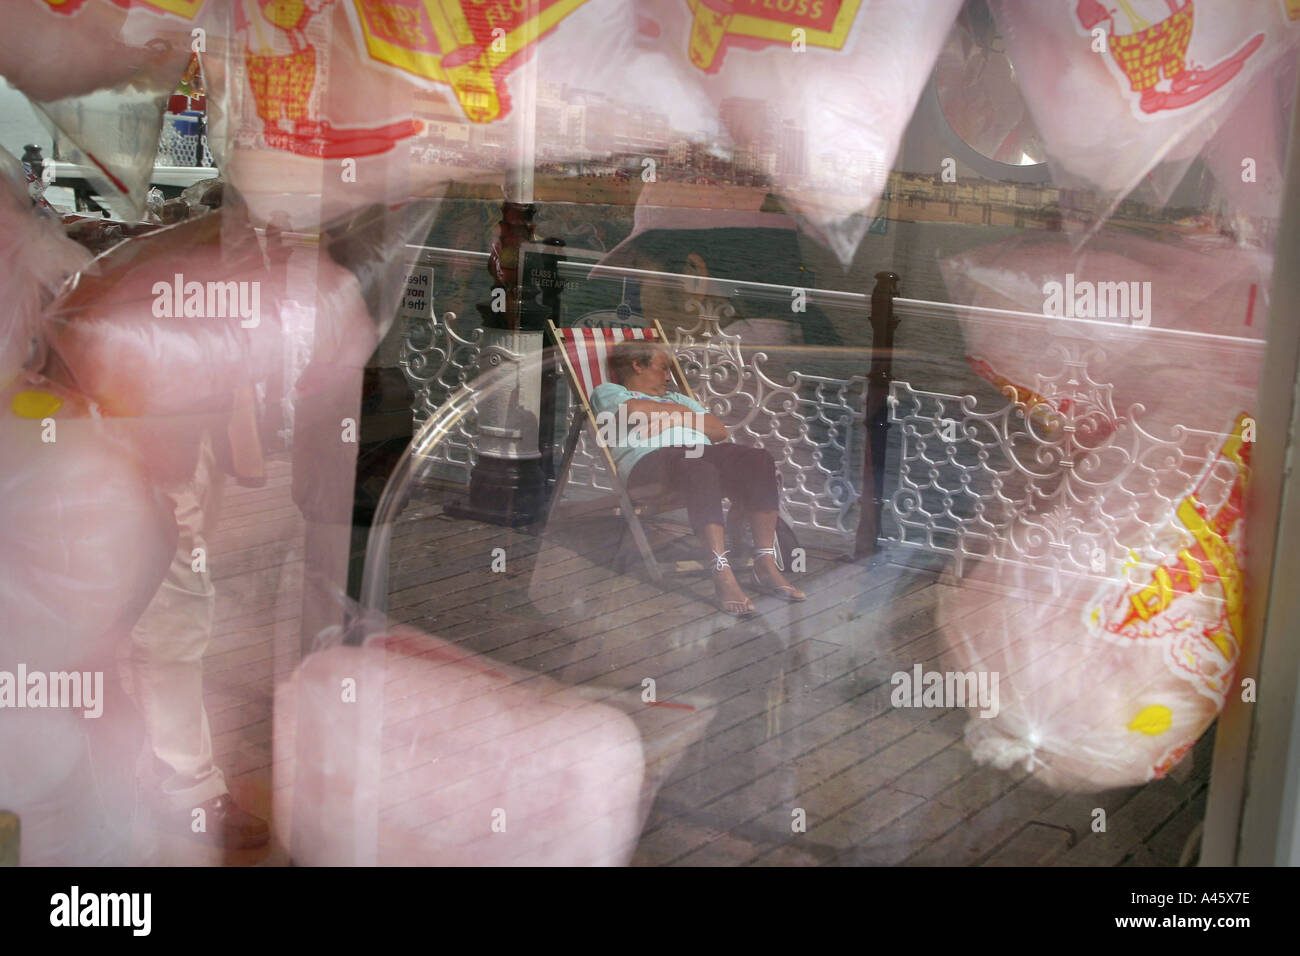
(661,416)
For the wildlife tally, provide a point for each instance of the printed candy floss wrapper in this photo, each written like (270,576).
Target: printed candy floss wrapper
(316,106)
(1115,531)
(1111,680)
(302,122)
(394,781)
(1118,87)
(304,87)
(789,79)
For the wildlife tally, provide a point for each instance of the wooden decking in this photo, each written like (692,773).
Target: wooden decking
(786,712)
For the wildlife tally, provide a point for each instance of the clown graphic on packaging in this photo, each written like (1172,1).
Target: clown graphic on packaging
(1157,49)
(287,50)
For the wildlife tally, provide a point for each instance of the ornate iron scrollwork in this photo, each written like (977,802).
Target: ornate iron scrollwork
(436,360)
(1061,482)
(812,425)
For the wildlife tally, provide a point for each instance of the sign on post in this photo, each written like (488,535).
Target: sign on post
(417,297)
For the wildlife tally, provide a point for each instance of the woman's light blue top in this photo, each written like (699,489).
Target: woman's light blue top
(628,445)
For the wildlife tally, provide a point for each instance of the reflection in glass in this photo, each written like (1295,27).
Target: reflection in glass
(979,95)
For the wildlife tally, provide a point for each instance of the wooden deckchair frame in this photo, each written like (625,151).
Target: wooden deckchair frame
(650,500)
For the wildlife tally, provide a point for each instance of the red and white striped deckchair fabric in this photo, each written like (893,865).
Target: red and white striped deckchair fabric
(586,359)
(588,351)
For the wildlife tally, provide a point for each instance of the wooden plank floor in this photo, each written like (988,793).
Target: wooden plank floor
(791,708)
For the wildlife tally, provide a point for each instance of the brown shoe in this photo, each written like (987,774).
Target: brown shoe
(224,825)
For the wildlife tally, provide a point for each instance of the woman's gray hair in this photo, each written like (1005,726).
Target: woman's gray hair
(625,355)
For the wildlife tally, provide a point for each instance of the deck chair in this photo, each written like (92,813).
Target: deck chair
(584,353)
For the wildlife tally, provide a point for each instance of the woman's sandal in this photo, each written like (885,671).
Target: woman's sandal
(787,591)
(741,609)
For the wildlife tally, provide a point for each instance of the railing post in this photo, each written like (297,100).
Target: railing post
(545,275)
(883,323)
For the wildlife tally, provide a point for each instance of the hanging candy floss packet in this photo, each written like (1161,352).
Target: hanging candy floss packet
(100,72)
(1125,89)
(1115,532)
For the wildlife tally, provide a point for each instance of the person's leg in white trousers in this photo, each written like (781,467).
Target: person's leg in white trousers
(165,673)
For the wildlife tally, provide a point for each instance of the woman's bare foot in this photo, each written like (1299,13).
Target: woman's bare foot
(768,575)
(732,599)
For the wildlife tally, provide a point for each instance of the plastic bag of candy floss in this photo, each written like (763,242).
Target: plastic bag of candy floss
(1110,303)
(312,105)
(1118,88)
(180,330)
(100,72)
(173,335)
(564,762)
(37,258)
(799,74)
(87,541)
(303,124)
(1109,681)
(1121,545)
(77,513)
(169,326)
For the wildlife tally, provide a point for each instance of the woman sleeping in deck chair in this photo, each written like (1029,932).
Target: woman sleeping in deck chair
(661,437)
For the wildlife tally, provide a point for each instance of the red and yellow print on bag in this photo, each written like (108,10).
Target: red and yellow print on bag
(286,51)
(1193,605)
(469,45)
(754,24)
(181,8)
(1148,45)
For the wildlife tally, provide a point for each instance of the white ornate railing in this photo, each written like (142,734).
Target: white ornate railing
(437,360)
(1056,478)
(812,425)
